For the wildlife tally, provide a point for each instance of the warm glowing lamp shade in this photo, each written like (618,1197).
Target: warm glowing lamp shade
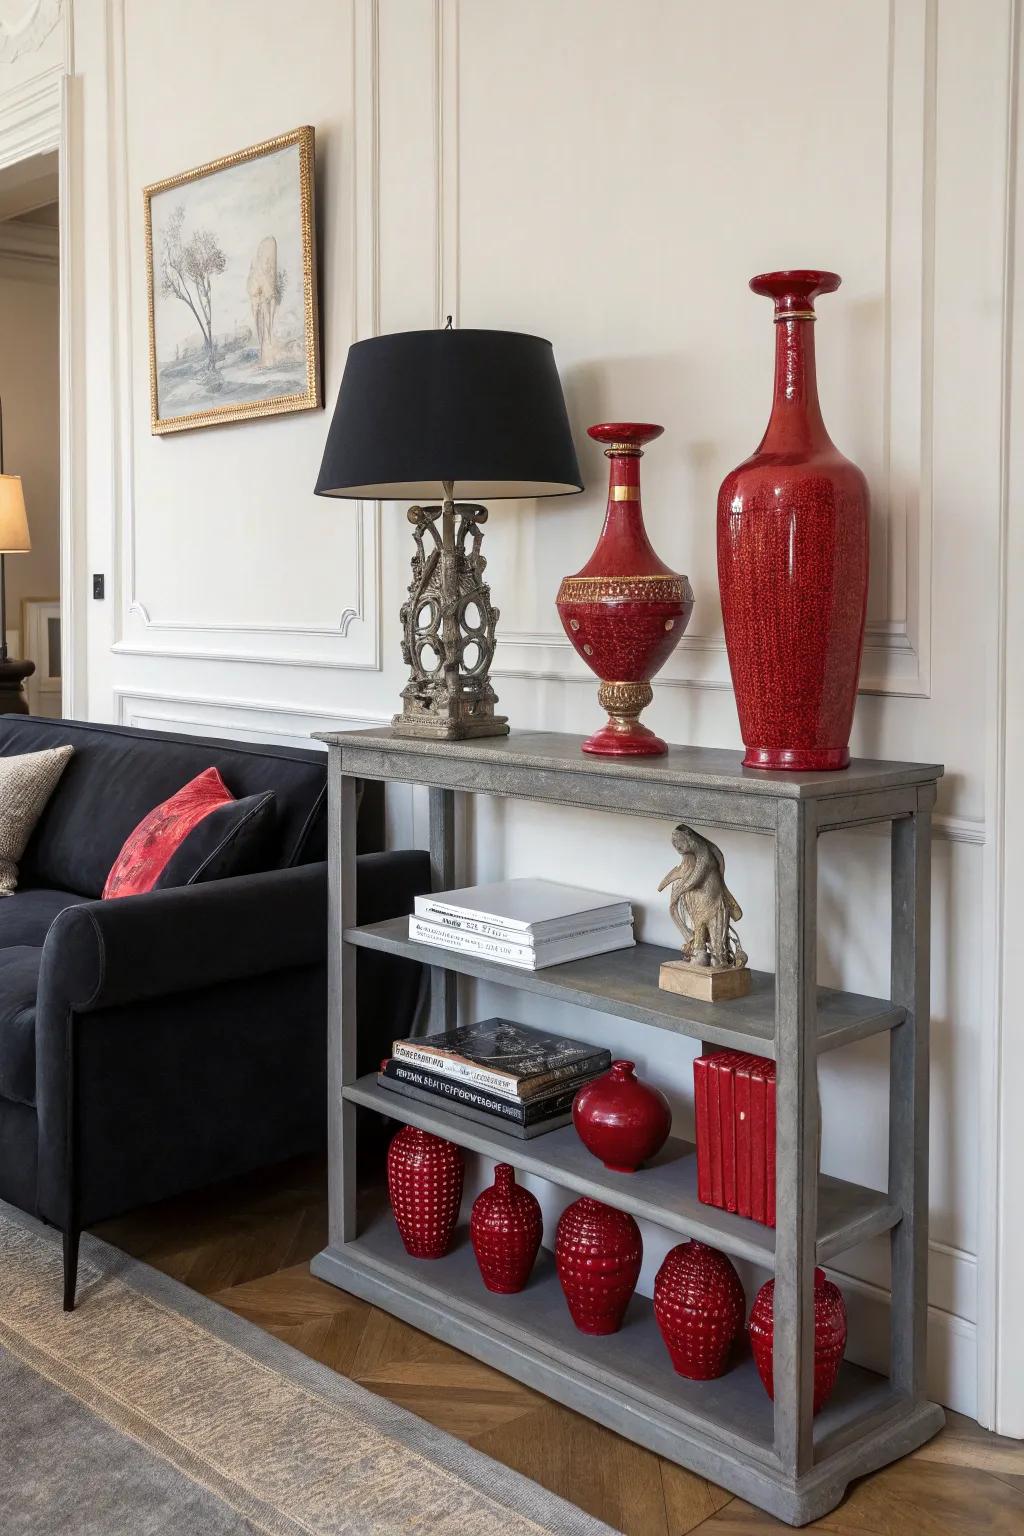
(14,534)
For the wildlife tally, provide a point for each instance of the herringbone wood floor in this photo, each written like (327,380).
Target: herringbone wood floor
(248,1245)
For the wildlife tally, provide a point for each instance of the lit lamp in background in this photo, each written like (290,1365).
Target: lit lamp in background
(434,414)
(14,540)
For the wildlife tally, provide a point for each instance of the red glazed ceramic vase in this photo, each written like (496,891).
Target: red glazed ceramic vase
(598,1252)
(829,1336)
(793,560)
(621,1120)
(625,610)
(699,1305)
(425,1185)
(505,1227)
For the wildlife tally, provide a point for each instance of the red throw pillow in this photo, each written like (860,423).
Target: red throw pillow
(159,834)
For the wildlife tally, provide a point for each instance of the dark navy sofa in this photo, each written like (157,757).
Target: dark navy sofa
(153,1044)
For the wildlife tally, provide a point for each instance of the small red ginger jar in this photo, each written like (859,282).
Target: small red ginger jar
(425,1176)
(621,1120)
(625,611)
(505,1227)
(699,1306)
(829,1336)
(598,1253)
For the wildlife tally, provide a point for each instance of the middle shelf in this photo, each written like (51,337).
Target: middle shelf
(664,1191)
(625,983)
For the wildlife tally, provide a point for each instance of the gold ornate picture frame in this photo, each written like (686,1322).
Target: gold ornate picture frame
(231,283)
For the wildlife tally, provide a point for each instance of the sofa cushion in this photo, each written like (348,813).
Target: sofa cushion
(27,780)
(26,917)
(117,775)
(232,840)
(168,835)
(19,979)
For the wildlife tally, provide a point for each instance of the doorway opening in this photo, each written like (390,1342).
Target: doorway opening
(30,438)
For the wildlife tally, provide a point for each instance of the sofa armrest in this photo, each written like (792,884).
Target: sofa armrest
(102,954)
(195,1016)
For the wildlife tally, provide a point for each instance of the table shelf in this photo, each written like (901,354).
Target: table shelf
(665,1191)
(624,983)
(625,1379)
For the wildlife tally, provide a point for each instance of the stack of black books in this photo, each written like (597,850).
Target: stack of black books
(518,1080)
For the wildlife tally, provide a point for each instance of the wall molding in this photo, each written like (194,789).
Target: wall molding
(134,706)
(353,638)
(29,34)
(897,649)
(30,117)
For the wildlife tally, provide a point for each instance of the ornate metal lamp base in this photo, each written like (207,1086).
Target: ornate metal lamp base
(448,628)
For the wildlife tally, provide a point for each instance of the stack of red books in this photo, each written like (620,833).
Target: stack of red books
(734,1096)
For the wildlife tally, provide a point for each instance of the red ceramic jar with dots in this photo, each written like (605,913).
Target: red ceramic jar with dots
(699,1306)
(598,1253)
(505,1228)
(621,1120)
(793,560)
(425,1175)
(829,1336)
(625,610)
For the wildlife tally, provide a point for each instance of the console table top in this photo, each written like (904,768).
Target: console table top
(681,767)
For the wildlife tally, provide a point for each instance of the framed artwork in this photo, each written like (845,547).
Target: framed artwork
(231,276)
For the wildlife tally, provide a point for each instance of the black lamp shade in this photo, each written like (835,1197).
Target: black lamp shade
(483,409)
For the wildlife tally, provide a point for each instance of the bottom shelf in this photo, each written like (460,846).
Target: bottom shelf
(720,1429)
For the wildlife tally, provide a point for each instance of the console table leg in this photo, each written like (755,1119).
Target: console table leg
(797,1115)
(443,983)
(908,1094)
(341,1000)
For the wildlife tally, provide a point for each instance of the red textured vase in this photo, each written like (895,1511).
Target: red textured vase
(699,1305)
(621,1120)
(598,1253)
(505,1227)
(793,560)
(829,1336)
(425,1177)
(625,610)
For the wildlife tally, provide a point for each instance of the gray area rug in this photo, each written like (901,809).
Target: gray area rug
(150,1411)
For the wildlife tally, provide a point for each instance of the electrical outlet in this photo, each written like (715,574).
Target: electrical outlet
(98,583)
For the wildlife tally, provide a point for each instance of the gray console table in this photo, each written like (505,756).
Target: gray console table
(780,1458)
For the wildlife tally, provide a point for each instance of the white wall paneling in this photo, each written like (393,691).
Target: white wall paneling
(261,571)
(1001,1151)
(883,315)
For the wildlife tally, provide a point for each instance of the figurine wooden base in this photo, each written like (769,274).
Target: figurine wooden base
(711,983)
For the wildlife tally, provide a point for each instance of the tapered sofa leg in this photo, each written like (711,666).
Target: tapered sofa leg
(70,1268)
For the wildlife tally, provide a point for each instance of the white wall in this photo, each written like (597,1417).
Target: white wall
(611,183)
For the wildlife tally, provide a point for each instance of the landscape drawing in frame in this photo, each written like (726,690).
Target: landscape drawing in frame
(231,275)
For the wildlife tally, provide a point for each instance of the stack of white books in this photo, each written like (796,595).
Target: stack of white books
(525,923)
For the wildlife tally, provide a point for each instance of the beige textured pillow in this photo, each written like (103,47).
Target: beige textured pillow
(26,783)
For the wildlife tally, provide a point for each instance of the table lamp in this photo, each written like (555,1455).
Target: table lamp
(432,414)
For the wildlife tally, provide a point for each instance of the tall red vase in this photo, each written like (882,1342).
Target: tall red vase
(699,1306)
(505,1227)
(793,560)
(625,610)
(598,1253)
(425,1176)
(829,1336)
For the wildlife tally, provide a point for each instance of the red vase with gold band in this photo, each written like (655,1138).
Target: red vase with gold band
(793,560)
(625,610)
